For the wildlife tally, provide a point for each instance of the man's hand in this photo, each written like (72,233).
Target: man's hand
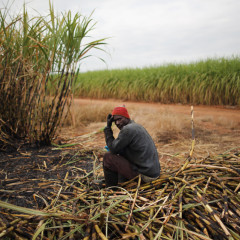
(109,120)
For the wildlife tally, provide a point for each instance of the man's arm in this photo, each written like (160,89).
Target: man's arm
(117,145)
(109,138)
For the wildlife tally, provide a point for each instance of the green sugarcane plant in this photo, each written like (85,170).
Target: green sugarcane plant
(36,54)
(207,82)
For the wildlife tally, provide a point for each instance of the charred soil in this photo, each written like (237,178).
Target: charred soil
(32,177)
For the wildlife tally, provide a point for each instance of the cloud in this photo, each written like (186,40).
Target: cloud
(153,32)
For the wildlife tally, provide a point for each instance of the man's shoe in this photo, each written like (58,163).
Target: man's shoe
(111,178)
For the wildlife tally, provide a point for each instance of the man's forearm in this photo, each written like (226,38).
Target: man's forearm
(108,136)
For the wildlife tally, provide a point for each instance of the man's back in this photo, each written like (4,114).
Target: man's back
(141,150)
(136,145)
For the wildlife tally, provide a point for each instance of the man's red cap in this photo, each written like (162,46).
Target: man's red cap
(121,111)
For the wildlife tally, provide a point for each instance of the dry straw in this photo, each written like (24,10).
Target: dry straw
(199,201)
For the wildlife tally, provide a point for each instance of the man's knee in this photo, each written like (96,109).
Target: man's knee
(107,160)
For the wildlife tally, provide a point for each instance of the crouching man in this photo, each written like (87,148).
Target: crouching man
(132,153)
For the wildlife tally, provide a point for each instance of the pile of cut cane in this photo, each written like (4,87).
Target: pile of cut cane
(201,200)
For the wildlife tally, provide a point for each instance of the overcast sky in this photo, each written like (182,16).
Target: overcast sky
(147,33)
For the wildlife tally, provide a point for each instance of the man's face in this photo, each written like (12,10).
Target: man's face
(120,121)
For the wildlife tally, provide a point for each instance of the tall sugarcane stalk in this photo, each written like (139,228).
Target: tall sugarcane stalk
(39,63)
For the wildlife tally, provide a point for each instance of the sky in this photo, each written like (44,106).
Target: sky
(146,33)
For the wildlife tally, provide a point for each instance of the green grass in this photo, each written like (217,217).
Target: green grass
(209,82)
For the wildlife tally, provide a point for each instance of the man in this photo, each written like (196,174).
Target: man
(132,153)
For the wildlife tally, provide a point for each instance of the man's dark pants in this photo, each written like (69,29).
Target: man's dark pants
(117,168)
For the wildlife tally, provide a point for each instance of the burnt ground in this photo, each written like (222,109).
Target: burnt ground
(32,177)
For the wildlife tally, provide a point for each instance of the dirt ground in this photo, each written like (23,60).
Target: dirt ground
(216,129)
(33,177)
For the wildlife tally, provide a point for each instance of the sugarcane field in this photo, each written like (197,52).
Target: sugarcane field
(58,125)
